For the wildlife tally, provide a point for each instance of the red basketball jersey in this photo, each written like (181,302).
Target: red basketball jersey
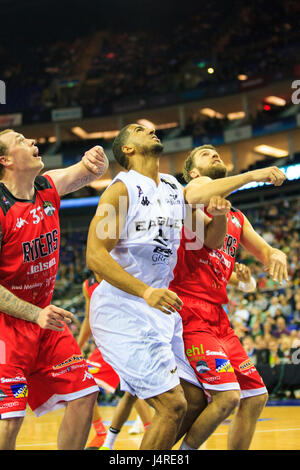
(90,285)
(204,273)
(30,242)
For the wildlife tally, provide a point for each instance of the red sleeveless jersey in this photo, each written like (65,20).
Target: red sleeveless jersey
(90,285)
(204,273)
(30,242)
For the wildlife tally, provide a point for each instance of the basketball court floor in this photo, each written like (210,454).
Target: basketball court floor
(278,429)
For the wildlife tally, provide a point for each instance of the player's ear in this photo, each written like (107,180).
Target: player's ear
(128,150)
(5,160)
(194,173)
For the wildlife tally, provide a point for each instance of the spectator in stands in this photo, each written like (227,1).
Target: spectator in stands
(274,352)
(280,328)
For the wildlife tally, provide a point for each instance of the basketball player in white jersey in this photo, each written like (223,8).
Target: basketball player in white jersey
(132,313)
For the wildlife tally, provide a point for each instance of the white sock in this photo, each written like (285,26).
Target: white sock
(184,446)
(111,437)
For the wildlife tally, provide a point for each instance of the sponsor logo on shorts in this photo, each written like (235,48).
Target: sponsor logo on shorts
(2,395)
(215,353)
(223,365)
(9,405)
(19,390)
(202,367)
(93,369)
(216,378)
(57,374)
(173,370)
(5,380)
(195,353)
(246,365)
(87,376)
(71,360)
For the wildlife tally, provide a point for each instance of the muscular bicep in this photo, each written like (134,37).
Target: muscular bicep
(253,242)
(194,188)
(108,223)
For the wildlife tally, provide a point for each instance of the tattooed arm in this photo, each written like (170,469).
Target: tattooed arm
(50,317)
(93,164)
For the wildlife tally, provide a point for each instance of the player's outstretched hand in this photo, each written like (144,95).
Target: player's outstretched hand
(218,206)
(271,174)
(53,318)
(277,266)
(163,299)
(95,160)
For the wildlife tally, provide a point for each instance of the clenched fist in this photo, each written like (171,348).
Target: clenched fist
(243,273)
(271,174)
(218,206)
(95,160)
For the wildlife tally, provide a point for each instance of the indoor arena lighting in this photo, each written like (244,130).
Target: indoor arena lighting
(93,135)
(275,100)
(242,77)
(209,112)
(236,115)
(271,151)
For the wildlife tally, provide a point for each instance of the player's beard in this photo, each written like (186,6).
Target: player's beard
(215,171)
(154,150)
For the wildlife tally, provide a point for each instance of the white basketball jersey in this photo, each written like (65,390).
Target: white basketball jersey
(147,248)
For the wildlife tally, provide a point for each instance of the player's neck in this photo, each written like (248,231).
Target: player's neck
(19,185)
(148,167)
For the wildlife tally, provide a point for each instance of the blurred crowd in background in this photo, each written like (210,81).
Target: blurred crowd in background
(266,321)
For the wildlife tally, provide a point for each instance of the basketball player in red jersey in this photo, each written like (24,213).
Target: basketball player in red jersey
(40,361)
(200,279)
(107,378)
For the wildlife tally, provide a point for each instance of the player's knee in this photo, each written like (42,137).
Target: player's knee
(228,401)
(177,406)
(258,402)
(85,403)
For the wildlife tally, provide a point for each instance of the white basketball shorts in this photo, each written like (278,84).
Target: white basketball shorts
(142,344)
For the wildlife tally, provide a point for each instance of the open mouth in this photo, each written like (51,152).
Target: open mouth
(36,153)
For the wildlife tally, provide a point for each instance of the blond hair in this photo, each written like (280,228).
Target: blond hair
(3,149)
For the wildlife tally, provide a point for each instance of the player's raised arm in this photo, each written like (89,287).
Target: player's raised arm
(275,260)
(201,189)
(104,233)
(92,166)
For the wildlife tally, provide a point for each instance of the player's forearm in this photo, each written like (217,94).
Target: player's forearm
(71,179)
(84,334)
(15,307)
(221,187)
(108,269)
(215,232)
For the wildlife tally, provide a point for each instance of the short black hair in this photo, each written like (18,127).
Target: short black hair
(189,163)
(118,143)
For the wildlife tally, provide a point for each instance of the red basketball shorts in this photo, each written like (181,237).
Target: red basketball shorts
(215,352)
(103,373)
(43,368)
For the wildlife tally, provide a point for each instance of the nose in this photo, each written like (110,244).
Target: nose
(151,131)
